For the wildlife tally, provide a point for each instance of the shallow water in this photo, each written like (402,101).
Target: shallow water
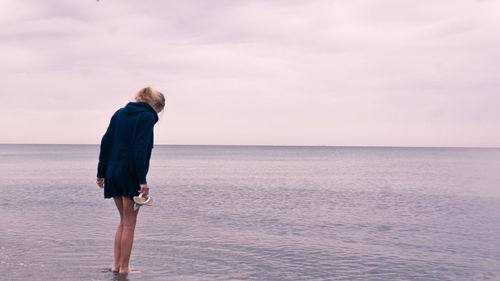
(258,213)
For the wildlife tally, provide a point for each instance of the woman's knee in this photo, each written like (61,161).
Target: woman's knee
(128,222)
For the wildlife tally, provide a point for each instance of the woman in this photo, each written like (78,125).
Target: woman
(124,162)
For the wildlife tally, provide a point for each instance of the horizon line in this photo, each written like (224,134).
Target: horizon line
(277,145)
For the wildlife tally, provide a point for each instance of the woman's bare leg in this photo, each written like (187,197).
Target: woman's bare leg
(118,235)
(129,219)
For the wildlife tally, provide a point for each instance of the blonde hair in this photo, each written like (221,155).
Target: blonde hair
(153,97)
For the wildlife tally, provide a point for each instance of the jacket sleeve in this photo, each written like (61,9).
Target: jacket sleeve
(142,147)
(105,150)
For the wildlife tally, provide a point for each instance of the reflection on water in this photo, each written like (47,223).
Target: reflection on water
(119,277)
(258,213)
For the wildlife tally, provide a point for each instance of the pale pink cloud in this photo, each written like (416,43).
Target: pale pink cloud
(359,72)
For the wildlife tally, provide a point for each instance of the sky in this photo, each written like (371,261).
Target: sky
(250,72)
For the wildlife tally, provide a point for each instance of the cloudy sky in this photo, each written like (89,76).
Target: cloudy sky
(337,72)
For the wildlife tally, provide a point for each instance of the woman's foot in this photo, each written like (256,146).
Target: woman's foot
(115,268)
(124,270)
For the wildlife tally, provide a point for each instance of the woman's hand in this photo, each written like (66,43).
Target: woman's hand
(144,189)
(100,182)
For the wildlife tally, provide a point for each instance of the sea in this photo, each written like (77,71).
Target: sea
(257,213)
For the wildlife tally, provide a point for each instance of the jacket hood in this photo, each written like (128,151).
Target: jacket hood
(133,108)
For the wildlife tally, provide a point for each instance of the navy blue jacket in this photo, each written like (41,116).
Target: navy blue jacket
(128,141)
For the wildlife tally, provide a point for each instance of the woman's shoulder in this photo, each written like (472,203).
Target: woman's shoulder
(116,114)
